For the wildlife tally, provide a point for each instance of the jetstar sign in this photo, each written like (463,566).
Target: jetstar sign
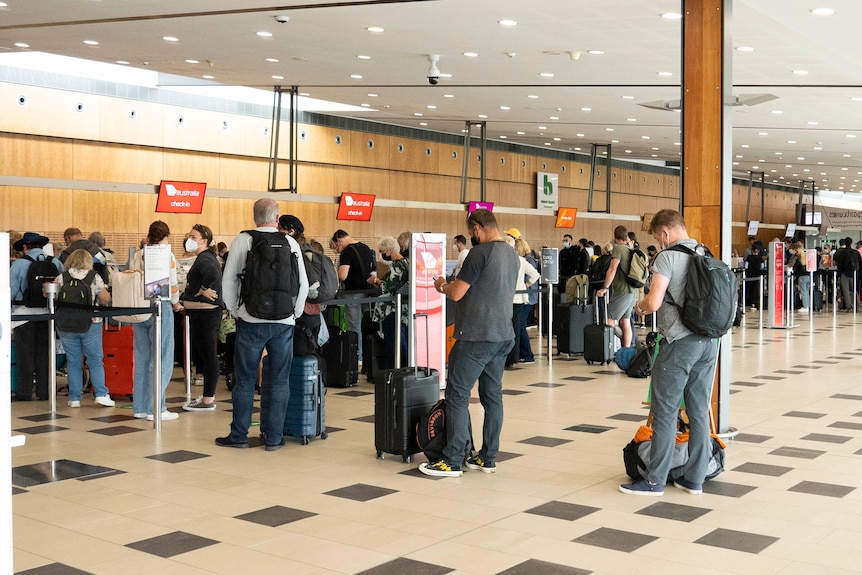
(355,207)
(181,197)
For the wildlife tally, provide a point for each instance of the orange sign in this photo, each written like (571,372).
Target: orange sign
(181,197)
(356,207)
(566,217)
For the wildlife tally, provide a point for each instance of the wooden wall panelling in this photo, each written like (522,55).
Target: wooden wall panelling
(104,211)
(579,175)
(191,166)
(501,166)
(146,128)
(443,189)
(317,179)
(406,186)
(513,195)
(320,145)
(190,129)
(369,150)
(117,163)
(449,162)
(49,112)
(253,137)
(243,173)
(362,181)
(564,171)
(36,209)
(36,156)
(407,154)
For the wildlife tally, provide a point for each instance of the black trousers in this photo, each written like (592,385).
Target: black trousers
(31,347)
(203,333)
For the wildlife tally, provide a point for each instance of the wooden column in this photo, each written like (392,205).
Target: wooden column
(705,192)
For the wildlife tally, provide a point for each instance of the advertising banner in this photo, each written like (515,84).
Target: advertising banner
(566,217)
(776,284)
(181,197)
(811,260)
(550,265)
(547,191)
(157,266)
(355,207)
(427,261)
(473,206)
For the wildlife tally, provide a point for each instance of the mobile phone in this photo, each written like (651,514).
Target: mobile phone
(435,278)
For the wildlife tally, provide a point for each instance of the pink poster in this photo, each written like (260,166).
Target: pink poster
(428,261)
(776,284)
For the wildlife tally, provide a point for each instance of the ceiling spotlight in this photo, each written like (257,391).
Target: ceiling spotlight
(282,19)
(433,71)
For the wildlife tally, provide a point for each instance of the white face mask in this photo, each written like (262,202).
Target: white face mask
(566,244)
(191,245)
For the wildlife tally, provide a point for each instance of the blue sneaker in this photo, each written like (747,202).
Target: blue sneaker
(688,486)
(643,487)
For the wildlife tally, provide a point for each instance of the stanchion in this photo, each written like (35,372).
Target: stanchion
(743,282)
(187,357)
(539,323)
(550,323)
(49,289)
(398,330)
(760,301)
(855,295)
(157,366)
(834,293)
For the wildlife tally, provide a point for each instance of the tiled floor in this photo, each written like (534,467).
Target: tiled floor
(98,492)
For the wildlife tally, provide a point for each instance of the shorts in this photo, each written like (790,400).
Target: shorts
(620,306)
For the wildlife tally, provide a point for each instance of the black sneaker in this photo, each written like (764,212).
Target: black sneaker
(480,464)
(643,487)
(228,442)
(440,469)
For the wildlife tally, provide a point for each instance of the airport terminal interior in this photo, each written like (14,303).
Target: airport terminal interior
(97,491)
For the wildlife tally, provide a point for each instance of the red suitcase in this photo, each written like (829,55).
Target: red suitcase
(118,350)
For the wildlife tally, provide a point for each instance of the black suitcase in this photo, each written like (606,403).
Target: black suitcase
(599,338)
(373,355)
(341,354)
(572,320)
(401,397)
(306,406)
(817,300)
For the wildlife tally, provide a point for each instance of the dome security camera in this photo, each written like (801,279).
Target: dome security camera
(282,19)
(433,71)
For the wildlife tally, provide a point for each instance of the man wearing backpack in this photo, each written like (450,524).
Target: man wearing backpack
(249,293)
(26,276)
(355,264)
(623,295)
(683,369)
(74,239)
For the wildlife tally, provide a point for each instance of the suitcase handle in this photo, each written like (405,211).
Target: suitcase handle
(604,299)
(427,345)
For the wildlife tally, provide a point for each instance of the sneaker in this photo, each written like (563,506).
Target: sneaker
(688,486)
(166,416)
(197,380)
(199,405)
(74,403)
(527,361)
(140,415)
(228,442)
(440,469)
(643,487)
(105,400)
(480,464)
(803,310)
(275,446)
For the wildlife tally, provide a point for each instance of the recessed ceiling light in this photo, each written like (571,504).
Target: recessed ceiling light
(375,29)
(423,123)
(507,23)
(818,148)
(3,5)
(553,117)
(631,119)
(672,16)
(627,151)
(744,49)
(585,109)
(547,143)
(854,98)
(615,141)
(533,97)
(654,149)
(190,61)
(823,11)
(812,123)
(22,45)
(745,146)
(365,105)
(546,74)
(851,135)
(665,74)
(777,111)
(170,39)
(543,127)
(372,95)
(278,77)
(628,97)
(208,77)
(306,94)
(272,60)
(505,108)
(91,43)
(418,114)
(846,155)
(801,158)
(644,137)
(483,116)
(262,34)
(445,75)
(609,129)
(557,139)
(503,137)
(580,135)
(356,76)
(520,133)
(123,62)
(363,57)
(596,52)
(448,95)
(431,107)
(471,54)
(739,156)
(800,72)
(762,133)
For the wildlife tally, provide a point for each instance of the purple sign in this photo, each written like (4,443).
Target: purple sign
(477,205)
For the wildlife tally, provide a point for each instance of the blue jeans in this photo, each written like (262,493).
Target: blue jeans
(469,361)
(142,399)
(251,340)
(683,369)
(803,283)
(353,311)
(77,346)
(525,351)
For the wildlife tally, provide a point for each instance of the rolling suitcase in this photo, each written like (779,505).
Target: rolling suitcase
(573,318)
(118,351)
(599,337)
(373,354)
(401,397)
(306,406)
(341,354)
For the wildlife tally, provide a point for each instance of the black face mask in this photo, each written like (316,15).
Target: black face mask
(474,241)
(386,257)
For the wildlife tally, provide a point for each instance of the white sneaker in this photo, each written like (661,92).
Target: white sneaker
(166,416)
(74,403)
(197,381)
(105,400)
(140,416)
(803,310)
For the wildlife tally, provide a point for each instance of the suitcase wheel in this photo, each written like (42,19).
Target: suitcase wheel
(305,440)
(405,459)
(379,454)
(323,435)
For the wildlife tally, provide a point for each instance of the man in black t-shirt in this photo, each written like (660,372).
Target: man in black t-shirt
(355,264)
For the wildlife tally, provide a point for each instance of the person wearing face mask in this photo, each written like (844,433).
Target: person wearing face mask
(396,278)
(202,302)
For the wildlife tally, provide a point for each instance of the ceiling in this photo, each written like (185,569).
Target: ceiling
(811,130)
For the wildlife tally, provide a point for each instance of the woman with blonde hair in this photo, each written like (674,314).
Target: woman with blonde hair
(396,278)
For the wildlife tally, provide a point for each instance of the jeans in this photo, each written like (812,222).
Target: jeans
(77,346)
(469,361)
(251,340)
(203,335)
(142,399)
(514,354)
(684,369)
(353,311)
(849,299)
(803,283)
(526,350)
(31,345)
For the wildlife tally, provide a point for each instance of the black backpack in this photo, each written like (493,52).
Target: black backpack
(599,270)
(270,280)
(431,432)
(40,271)
(74,303)
(710,293)
(641,364)
(319,270)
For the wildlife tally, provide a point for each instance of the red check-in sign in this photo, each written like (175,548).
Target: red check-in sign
(181,197)
(566,217)
(356,207)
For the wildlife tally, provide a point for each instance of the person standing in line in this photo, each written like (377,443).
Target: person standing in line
(384,311)
(31,338)
(355,264)
(253,335)
(623,296)
(88,343)
(683,370)
(158,234)
(527,275)
(484,337)
(203,304)
(460,243)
